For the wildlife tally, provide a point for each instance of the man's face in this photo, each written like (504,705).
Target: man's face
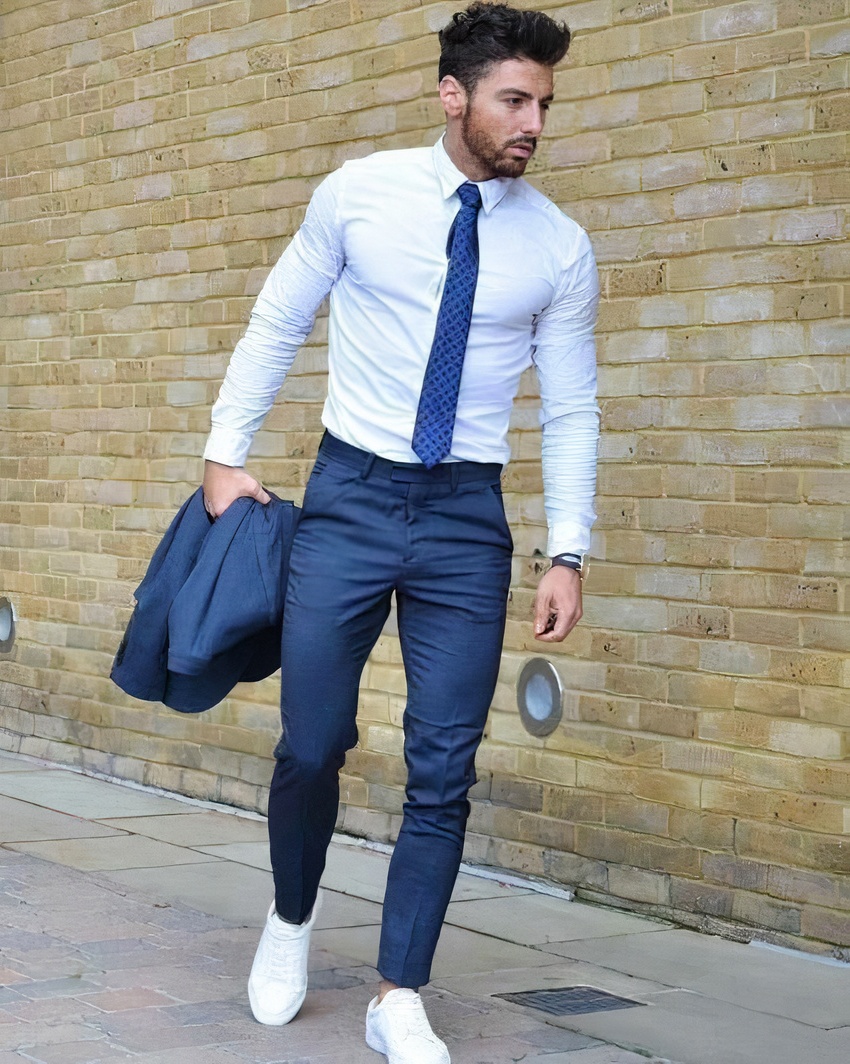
(505,114)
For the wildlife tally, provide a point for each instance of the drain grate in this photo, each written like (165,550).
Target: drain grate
(565,1000)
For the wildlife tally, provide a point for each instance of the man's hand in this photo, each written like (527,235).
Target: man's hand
(224,484)
(557,608)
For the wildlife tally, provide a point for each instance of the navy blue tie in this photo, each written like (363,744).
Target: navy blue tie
(435,418)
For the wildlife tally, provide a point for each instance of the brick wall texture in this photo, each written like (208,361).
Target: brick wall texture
(158,158)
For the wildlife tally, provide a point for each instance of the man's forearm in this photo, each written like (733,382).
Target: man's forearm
(256,372)
(569,456)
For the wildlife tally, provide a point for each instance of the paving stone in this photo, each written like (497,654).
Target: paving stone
(569,973)
(198,828)
(121,1000)
(458,952)
(767,982)
(70,986)
(76,1053)
(114,852)
(152,1038)
(193,1014)
(25,941)
(352,870)
(83,796)
(537,919)
(322,960)
(229,890)
(465,1018)
(472,888)
(599,1054)
(177,916)
(24,1036)
(363,873)
(556,1039)
(112,946)
(188,1055)
(491,1051)
(183,984)
(138,960)
(57,964)
(344,910)
(15,763)
(23,822)
(54,897)
(55,1009)
(691,1029)
(253,854)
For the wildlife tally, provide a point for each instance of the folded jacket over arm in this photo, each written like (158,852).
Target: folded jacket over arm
(209,610)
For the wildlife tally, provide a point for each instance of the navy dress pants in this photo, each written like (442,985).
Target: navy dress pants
(439,540)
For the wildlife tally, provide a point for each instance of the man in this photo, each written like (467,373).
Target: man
(448,275)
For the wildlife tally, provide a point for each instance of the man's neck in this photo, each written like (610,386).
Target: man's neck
(469,166)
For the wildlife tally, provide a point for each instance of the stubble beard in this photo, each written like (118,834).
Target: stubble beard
(485,150)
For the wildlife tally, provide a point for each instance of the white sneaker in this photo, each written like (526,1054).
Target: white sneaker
(399,1029)
(277,984)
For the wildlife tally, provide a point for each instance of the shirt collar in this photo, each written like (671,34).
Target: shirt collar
(450,178)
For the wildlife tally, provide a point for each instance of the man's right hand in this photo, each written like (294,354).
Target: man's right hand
(224,484)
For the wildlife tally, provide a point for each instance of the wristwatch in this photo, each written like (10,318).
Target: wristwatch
(578,562)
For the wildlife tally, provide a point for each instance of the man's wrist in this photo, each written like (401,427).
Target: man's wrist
(569,560)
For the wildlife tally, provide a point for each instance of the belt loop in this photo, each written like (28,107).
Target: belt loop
(367,466)
(454,473)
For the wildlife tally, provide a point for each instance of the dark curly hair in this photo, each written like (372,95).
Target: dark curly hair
(490,33)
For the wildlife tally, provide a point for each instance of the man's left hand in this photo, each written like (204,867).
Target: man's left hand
(557,608)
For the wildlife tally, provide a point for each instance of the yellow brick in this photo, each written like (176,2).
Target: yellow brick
(802,12)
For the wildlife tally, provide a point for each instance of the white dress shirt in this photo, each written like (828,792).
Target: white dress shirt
(374,236)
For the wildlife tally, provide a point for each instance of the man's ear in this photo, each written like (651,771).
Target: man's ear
(452,96)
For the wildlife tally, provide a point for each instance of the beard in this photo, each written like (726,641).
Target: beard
(491,153)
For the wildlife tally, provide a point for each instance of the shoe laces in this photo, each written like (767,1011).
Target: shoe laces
(279,961)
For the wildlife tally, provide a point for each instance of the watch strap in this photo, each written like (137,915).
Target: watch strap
(569,561)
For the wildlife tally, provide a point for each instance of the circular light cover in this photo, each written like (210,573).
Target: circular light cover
(539,697)
(7,625)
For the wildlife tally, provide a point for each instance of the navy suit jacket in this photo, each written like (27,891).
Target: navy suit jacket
(209,611)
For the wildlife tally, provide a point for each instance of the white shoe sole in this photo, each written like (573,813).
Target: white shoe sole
(376,1042)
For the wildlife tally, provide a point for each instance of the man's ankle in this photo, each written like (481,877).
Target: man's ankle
(385,987)
(284,920)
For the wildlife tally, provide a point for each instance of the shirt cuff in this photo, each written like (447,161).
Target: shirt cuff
(568,537)
(227,446)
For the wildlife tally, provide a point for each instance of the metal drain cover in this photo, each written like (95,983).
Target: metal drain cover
(565,1000)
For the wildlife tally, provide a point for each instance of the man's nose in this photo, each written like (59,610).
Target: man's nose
(534,119)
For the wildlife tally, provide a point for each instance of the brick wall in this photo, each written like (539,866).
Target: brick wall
(159,154)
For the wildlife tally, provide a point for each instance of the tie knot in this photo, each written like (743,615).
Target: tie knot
(469,195)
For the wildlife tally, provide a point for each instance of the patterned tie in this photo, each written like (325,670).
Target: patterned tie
(435,418)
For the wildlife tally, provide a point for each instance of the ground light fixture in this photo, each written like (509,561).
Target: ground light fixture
(7,625)
(540,696)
